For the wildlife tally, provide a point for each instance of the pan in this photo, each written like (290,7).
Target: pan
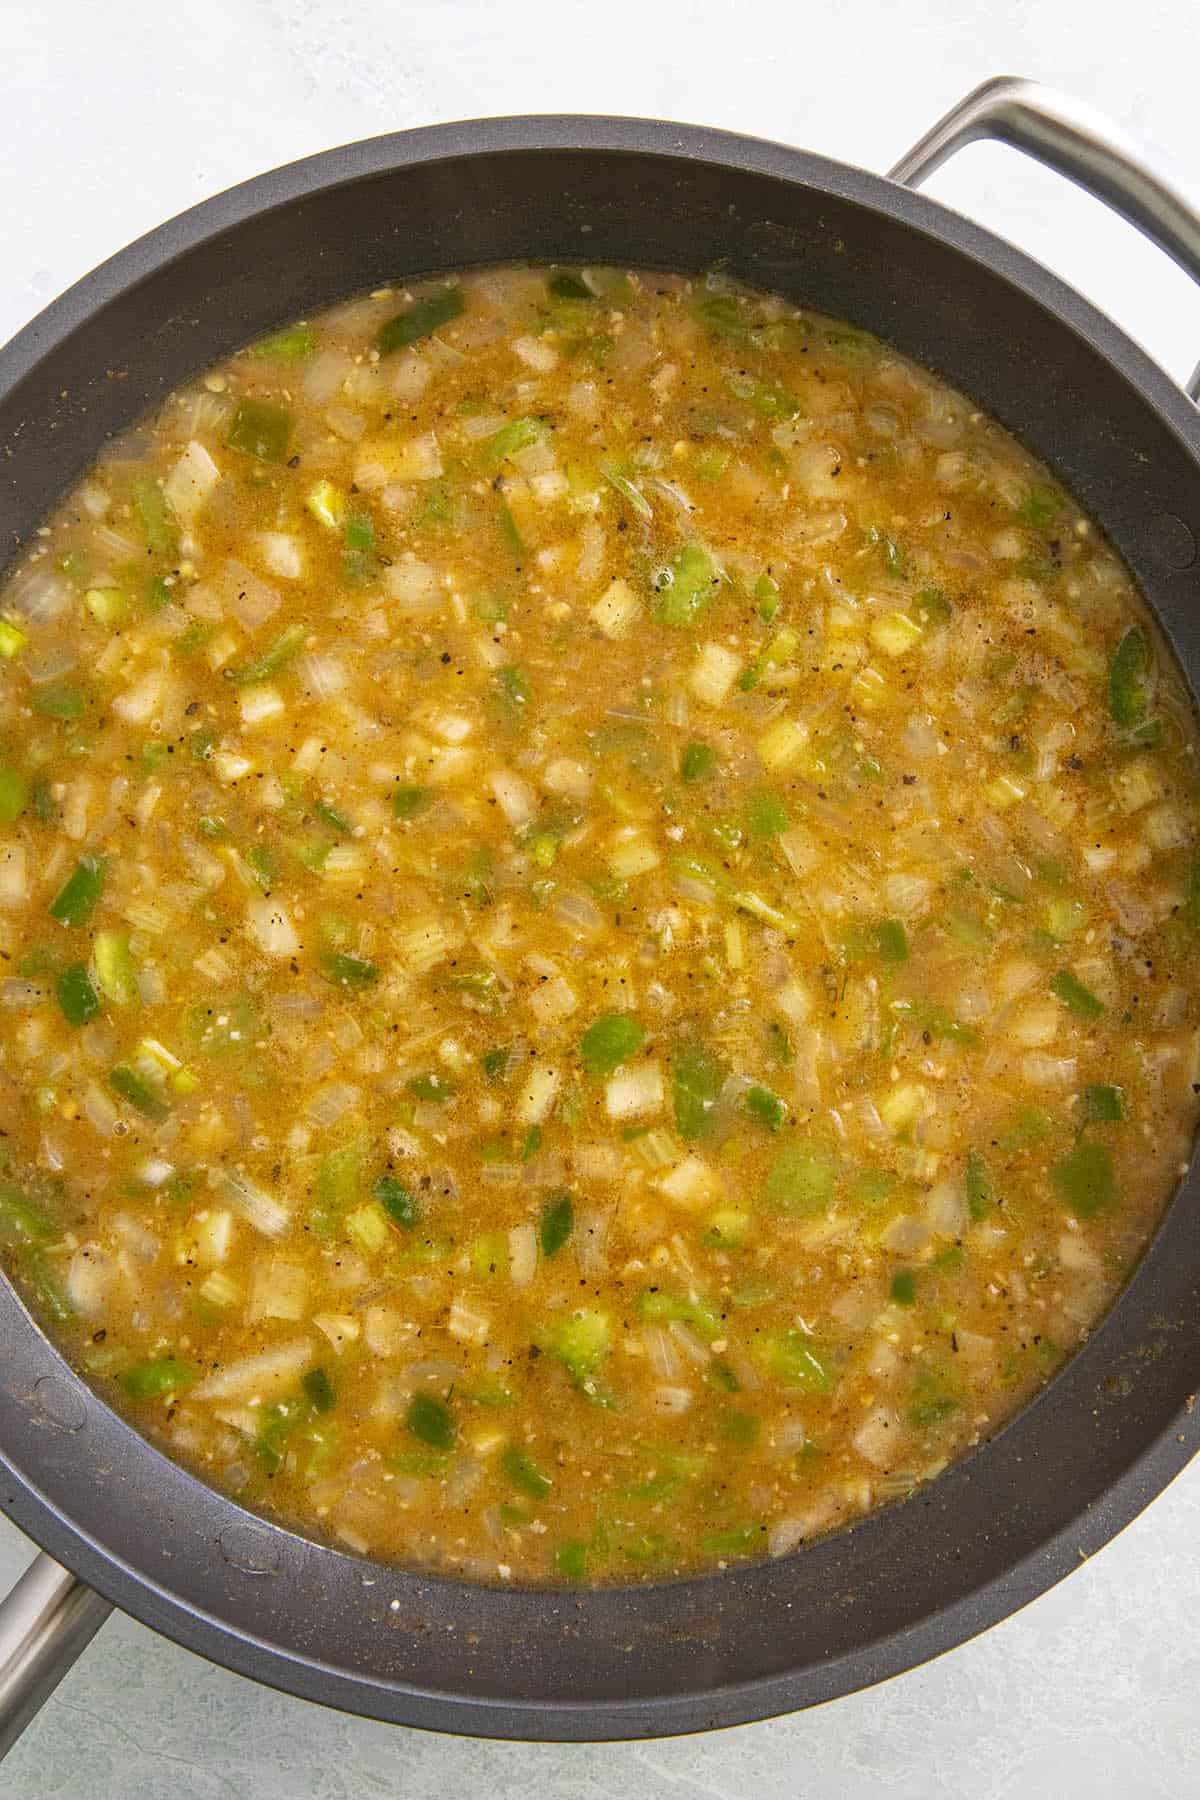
(120,1525)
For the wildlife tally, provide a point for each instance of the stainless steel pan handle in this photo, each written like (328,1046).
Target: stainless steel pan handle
(1079,142)
(45,1621)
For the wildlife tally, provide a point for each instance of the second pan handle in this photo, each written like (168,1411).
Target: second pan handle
(46,1620)
(1070,136)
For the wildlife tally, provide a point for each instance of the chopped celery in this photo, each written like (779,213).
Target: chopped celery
(1075,997)
(261,429)
(345,971)
(564,284)
(580,1342)
(158,1377)
(658,1308)
(407,802)
(132,1087)
(791,1357)
(764,1107)
(891,940)
(396,1200)
(556,1224)
(116,976)
(612,1040)
(79,896)
(1103,1105)
(1039,508)
(684,586)
(291,345)
(933,1398)
(524,1473)
(156,518)
(978,1184)
(697,1077)
(571,1561)
(518,434)
(903,1290)
(420,319)
(1085,1178)
(59,702)
(339,1176)
(698,762)
(22,1221)
(77,997)
(368,1226)
(739,1540)
(320,1390)
(107,605)
(766,815)
(800,1180)
(430,1421)
(1130,678)
(274,658)
(14,795)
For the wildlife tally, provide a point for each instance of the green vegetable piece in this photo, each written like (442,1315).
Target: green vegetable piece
(510,531)
(524,1473)
(432,1085)
(739,1540)
(571,1561)
(800,1180)
(1075,997)
(792,1358)
(408,802)
(1103,1105)
(158,1377)
(665,1309)
(580,1342)
(891,940)
(518,434)
(684,586)
(156,518)
(396,1200)
(292,345)
(698,761)
(934,1397)
(932,608)
(420,319)
(132,1087)
(1040,507)
(765,1107)
(351,972)
(727,1229)
(612,1040)
(23,1223)
(564,284)
(496,1062)
(722,314)
(261,429)
(556,1224)
(76,995)
(766,816)
(904,1288)
(431,1422)
(57,702)
(320,1391)
(871,1187)
(977,1181)
(79,896)
(531,1143)
(741,1428)
(116,975)
(12,639)
(1085,1178)
(276,657)
(515,691)
(1130,678)
(697,1077)
(14,795)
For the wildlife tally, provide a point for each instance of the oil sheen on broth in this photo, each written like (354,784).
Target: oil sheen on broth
(598,907)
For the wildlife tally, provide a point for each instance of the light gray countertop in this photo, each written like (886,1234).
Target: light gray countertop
(116,116)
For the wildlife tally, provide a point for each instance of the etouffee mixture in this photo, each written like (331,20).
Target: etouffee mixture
(598,908)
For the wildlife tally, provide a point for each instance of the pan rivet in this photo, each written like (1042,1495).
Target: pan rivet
(59,1403)
(249,1548)
(1171,541)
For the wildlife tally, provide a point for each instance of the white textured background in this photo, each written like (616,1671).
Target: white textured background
(115,114)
